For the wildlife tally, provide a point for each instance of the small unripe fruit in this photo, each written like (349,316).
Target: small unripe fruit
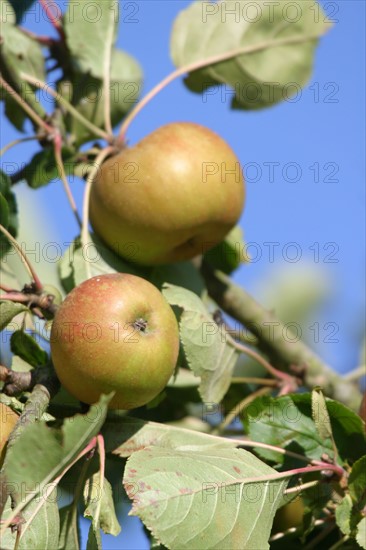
(173,196)
(115,332)
(290,515)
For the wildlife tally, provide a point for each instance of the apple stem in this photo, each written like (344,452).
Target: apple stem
(85,235)
(200,64)
(61,169)
(31,271)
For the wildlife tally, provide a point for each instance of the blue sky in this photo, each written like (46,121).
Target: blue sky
(316,147)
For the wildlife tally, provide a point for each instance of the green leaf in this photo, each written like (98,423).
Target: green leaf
(20,54)
(287,422)
(90,32)
(27,348)
(42,169)
(280,422)
(72,266)
(40,531)
(49,451)
(86,93)
(69,529)
(8,212)
(361,533)
(357,483)
(347,426)
(132,434)
(320,415)
(8,310)
(215,498)
(92,494)
(7,12)
(21,7)
(343,515)
(4,212)
(204,343)
(180,274)
(230,253)
(259,79)
(94,538)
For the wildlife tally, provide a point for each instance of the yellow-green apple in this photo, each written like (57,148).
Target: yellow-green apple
(289,515)
(115,332)
(171,197)
(8,419)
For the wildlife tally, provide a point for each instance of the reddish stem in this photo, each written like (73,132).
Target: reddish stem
(15,297)
(6,288)
(44,40)
(319,466)
(52,18)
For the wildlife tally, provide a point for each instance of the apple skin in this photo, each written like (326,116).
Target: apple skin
(170,197)
(8,419)
(100,344)
(289,515)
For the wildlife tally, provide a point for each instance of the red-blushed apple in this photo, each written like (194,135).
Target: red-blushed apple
(174,195)
(115,332)
(8,419)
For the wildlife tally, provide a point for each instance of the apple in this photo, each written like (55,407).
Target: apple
(288,516)
(171,197)
(8,419)
(115,332)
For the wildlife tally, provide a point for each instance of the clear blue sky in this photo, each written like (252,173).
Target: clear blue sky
(315,140)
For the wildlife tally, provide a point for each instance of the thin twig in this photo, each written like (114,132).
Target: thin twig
(286,378)
(68,107)
(30,112)
(279,450)
(253,380)
(16,142)
(355,374)
(101,450)
(33,275)
(107,78)
(239,408)
(52,19)
(218,58)
(30,495)
(314,543)
(302,487)
(6,288)
(76,495)
(85,223)
(270,331)
(297,530)
(61,169)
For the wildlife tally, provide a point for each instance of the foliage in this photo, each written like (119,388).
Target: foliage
(187,478)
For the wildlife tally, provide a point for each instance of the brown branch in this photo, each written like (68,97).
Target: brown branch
(293,356)
(39,302)
(46,387)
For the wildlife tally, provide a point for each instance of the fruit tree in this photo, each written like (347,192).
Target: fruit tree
(136,373)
